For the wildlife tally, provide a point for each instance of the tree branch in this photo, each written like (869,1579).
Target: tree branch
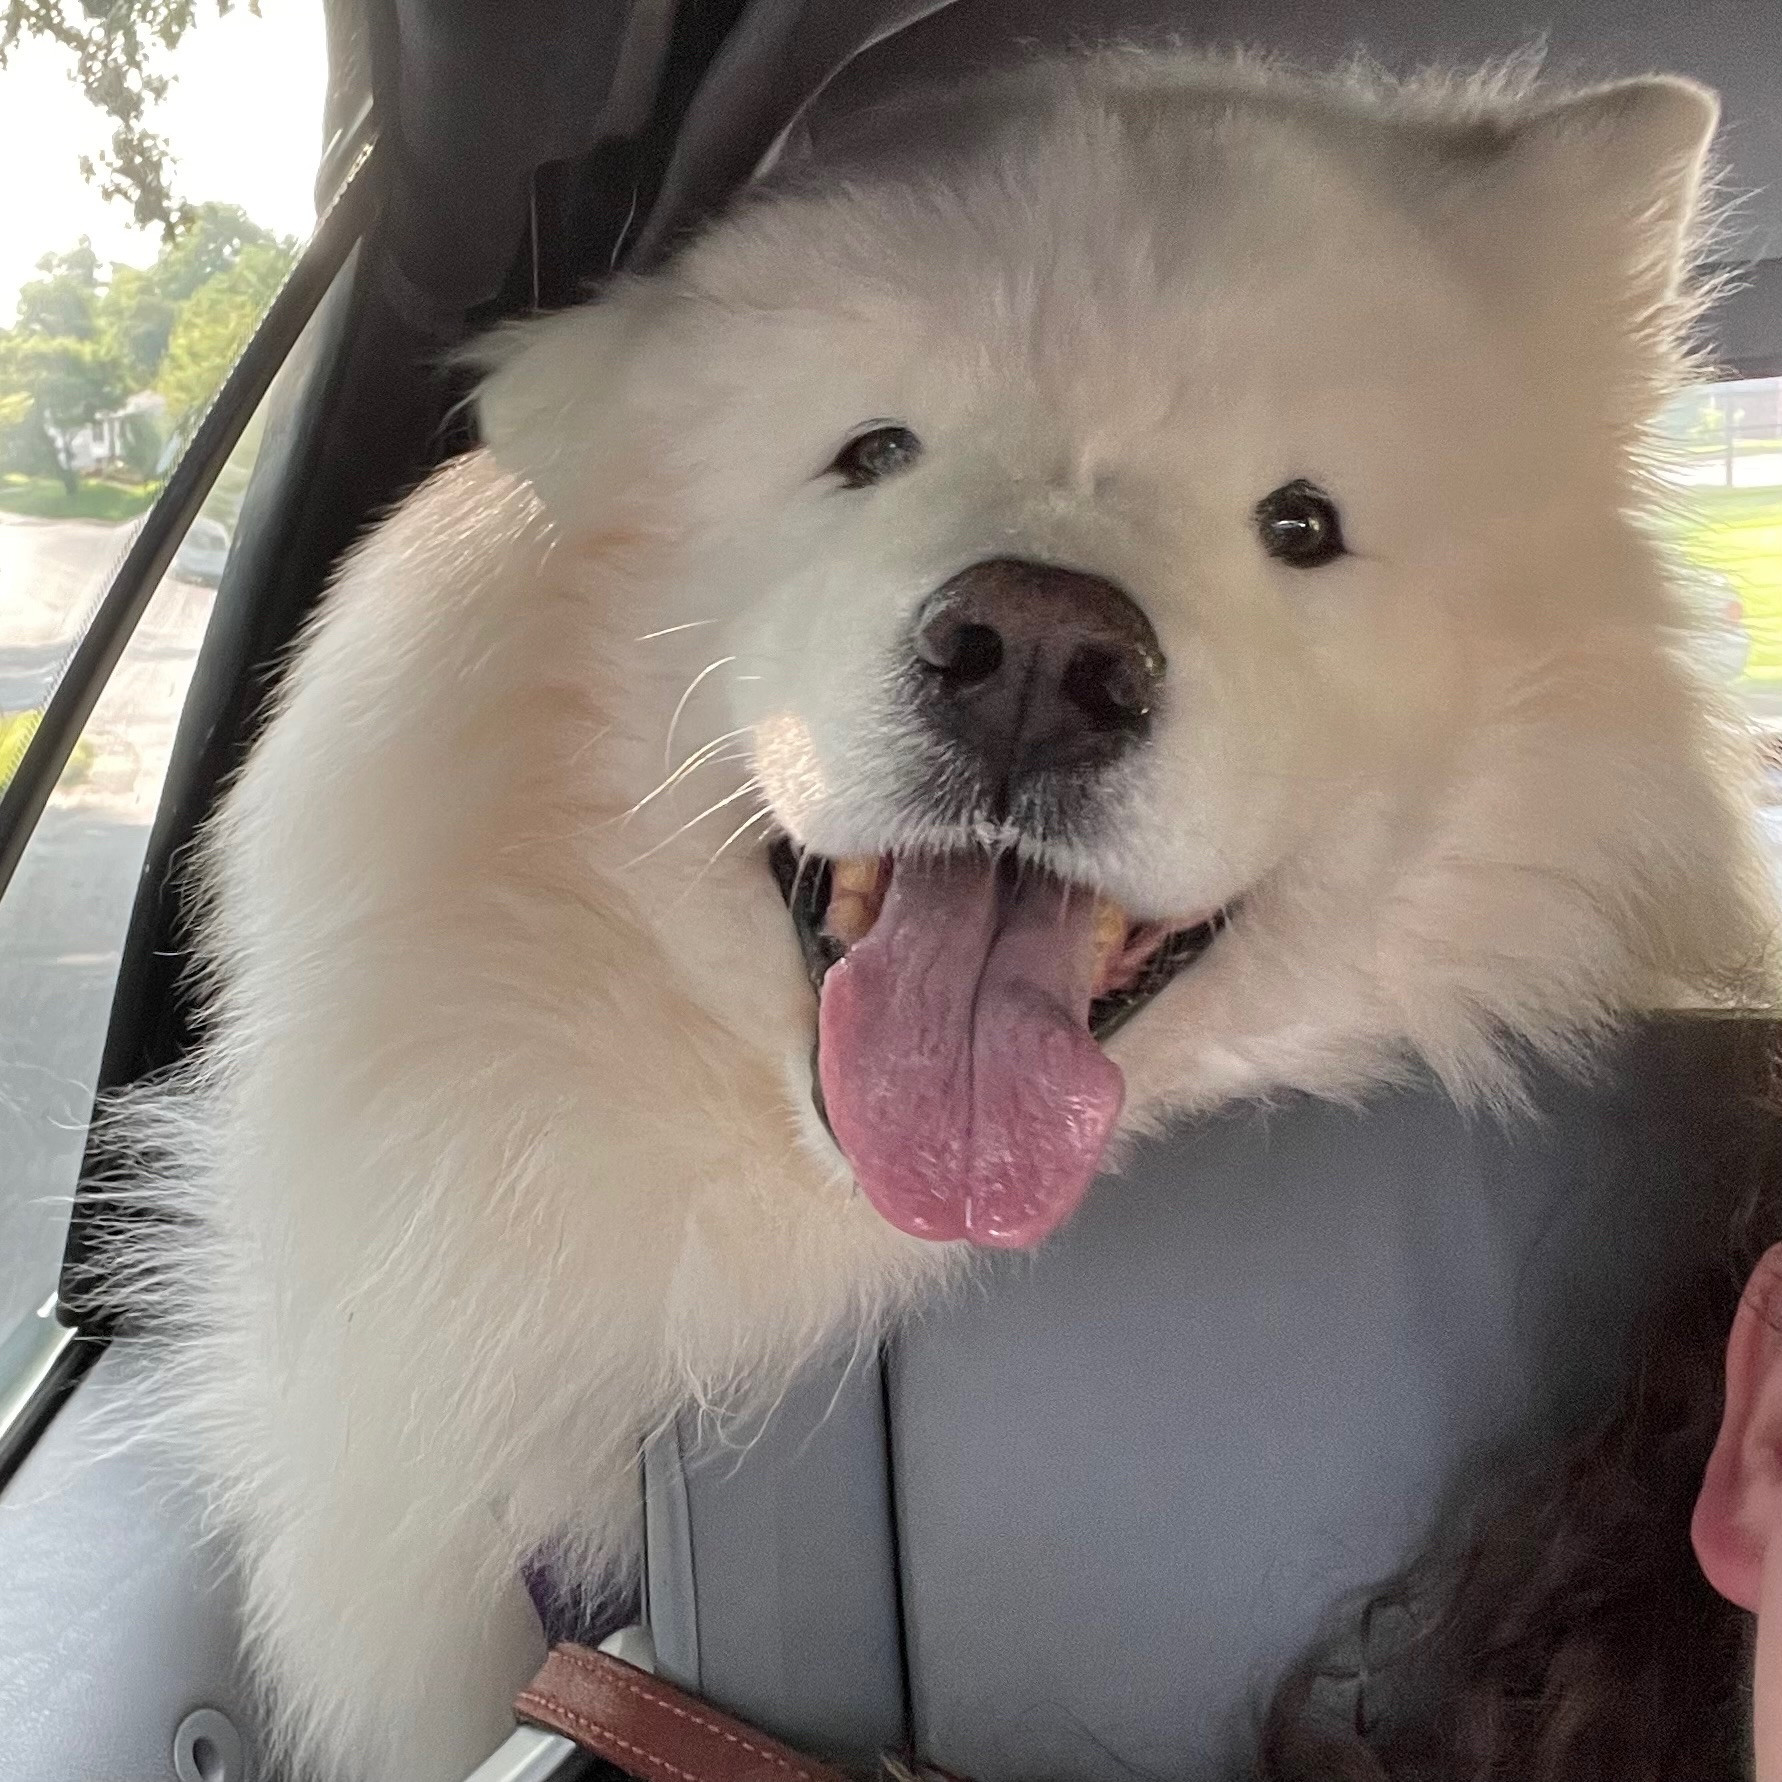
(112,43)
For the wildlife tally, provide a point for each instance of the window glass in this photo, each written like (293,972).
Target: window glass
(113,340)
(62,920)
(1726,467)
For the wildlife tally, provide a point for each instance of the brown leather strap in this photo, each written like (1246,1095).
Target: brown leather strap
(649,1728)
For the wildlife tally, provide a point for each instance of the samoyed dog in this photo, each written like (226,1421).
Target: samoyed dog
(1118,587)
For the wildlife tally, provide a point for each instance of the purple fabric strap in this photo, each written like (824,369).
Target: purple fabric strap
(568,1611)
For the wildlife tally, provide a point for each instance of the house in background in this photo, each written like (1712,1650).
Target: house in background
(128,437)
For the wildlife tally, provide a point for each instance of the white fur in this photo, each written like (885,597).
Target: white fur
(502,1141)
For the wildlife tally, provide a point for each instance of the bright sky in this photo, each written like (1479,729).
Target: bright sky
(244,117)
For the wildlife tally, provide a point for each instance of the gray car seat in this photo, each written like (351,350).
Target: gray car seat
(120,1636)
(1075,1524)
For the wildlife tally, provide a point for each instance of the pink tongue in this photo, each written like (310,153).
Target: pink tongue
(957,1068)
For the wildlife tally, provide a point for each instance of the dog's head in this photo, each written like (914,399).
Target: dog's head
(1148,546)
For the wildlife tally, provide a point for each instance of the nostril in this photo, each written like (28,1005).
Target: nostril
(1110,687)
(977,655)
(965,653)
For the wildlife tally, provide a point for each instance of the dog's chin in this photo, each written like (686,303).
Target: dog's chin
(963,1001)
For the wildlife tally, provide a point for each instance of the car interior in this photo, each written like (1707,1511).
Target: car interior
(1072,1521)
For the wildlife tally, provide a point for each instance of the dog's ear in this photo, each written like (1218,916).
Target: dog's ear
(556,403)
(1627,163)
(1602,191)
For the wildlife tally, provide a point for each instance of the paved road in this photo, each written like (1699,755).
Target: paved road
(62,922)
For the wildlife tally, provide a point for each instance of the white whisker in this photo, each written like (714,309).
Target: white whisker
(681,706)
(593,742)
(700,757)
(749,785)
(747,823)
(806,858)
(736,834)
(740,758)
(670,630)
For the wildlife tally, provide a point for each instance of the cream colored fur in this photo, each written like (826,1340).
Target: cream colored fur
(502,1140)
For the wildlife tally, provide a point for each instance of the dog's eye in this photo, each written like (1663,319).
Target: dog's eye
(872,456)
(1298,524)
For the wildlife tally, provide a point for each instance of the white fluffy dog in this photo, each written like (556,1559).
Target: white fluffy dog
(1142,542)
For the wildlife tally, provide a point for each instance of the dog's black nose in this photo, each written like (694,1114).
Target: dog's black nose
(1035,669)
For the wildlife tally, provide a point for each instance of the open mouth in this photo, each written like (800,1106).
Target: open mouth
(962,1000)
(833,905)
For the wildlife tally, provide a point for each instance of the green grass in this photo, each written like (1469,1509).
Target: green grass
(16,731)
(1739,533)
(44,498)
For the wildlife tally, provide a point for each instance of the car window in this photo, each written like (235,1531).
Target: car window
(113,342)
(1725,469)
(62,921)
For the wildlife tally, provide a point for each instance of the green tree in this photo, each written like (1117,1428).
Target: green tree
(214,324)
(56,375)
(213,239)
(51,386)
(135,320)
(81,345)
(139,308)
(64,302)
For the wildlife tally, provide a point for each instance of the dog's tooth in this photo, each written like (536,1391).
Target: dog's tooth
(853,898)
(1110,927)
(849,917)
(858,874)
(1108,938)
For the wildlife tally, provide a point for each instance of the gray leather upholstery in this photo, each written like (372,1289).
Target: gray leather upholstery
(1131,1477)
(803,1552)
(115,1622)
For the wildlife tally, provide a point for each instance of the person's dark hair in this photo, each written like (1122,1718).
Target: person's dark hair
(1561,1632)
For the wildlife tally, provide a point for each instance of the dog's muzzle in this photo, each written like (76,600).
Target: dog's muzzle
(965,989)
